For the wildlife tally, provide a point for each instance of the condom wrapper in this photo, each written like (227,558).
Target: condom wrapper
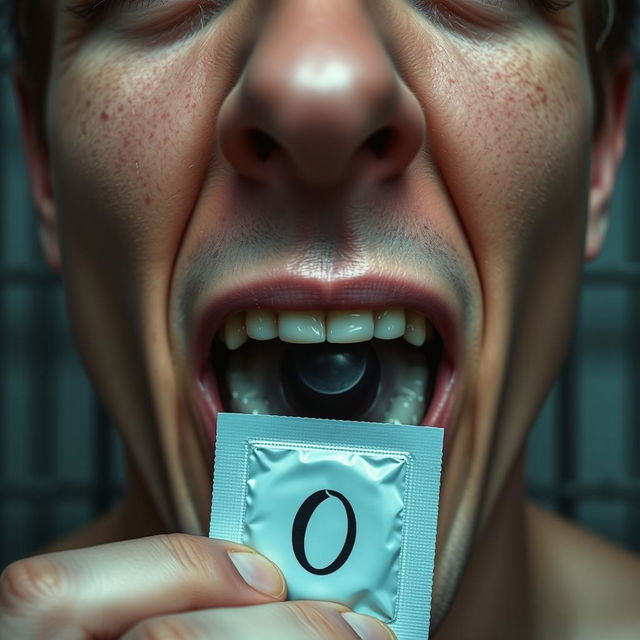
(347,510)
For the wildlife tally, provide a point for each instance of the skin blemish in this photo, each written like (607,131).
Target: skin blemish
(104,116)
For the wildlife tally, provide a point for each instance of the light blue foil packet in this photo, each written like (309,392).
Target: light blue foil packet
(347,510)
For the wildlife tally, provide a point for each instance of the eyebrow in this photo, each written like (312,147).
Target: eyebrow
(88,9)
(91,9)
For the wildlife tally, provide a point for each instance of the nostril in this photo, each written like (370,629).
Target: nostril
(262,144)
(380,141)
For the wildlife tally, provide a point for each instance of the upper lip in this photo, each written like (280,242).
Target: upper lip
(300,293)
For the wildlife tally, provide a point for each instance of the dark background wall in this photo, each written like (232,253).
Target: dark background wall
(61,462)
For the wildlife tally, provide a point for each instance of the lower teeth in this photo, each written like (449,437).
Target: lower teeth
(251,381)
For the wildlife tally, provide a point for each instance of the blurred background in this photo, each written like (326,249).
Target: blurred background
(61,462)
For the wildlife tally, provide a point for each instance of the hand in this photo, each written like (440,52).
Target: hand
(171,587)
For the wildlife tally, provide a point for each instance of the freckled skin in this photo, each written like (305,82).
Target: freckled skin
(146,182)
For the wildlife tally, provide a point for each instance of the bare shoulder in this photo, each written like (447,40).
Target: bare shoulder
(583,586)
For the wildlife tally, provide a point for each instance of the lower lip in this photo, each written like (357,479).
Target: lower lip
(438,414)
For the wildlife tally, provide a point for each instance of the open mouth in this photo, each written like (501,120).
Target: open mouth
(370,348)
(374,365)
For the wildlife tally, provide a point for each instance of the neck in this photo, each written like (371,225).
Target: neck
(493,600)
(139,516)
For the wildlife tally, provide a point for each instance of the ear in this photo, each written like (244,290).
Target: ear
(37,156)
(610,140)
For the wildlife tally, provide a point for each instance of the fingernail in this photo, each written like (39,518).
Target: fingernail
(368,628)
(258,572)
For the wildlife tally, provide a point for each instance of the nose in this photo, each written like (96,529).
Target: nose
(318,99)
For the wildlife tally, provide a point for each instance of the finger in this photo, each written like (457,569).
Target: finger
(299,620)
(102,591)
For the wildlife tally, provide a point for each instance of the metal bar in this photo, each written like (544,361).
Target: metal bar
(102,459)
(28,277)
(42,427)
(625,274)
(566,432)
(47,489)
(632,434)
(628,490)
(3,306)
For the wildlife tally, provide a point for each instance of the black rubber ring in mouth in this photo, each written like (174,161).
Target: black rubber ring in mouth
(327,380)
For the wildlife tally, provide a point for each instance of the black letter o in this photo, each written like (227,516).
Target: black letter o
(301,522)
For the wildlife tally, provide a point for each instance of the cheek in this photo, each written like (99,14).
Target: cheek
(515,157)
(127,162)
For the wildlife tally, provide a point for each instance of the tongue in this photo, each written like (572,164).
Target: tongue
(328,380)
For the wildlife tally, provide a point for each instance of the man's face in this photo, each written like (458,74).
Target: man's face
(322,155)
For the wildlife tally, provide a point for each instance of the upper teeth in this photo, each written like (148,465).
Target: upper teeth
(306,327)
